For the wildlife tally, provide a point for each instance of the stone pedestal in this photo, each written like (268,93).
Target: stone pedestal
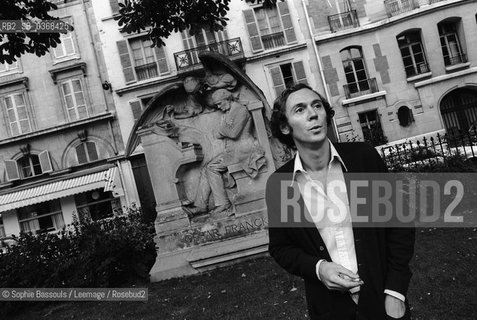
(209,132)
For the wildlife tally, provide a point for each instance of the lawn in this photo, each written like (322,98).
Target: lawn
(444,287)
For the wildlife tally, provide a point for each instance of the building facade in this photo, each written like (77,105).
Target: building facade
(268,43)
(395,69)
(60,143)
(392,69)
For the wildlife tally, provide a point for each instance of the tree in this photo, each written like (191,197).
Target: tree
(162,18)
(14,44)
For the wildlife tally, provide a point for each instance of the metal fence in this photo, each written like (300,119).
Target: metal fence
(360,88)
(342,21)
(186,59)
(395,7)
(435,149)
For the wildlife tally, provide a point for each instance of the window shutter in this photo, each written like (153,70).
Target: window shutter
(126,61)
(45,162)
(277,79)
(252,29)
(161,59)
(286,22)
(136,109)
(299,72)
(81,154)
(92,151)
(114,6)
(12,170)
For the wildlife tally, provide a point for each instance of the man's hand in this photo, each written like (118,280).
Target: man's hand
(395,308)
(337,277)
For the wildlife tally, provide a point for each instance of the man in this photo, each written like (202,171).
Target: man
(349,272)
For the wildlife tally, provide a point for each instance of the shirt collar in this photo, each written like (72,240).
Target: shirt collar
(298,165)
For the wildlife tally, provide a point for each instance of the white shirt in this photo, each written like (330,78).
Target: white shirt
(337,234)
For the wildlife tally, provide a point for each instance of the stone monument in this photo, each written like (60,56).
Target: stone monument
(209,153)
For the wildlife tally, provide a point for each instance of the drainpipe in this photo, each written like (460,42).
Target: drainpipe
(320,66)
(96,60)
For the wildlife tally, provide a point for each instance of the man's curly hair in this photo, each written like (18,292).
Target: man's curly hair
(279,119)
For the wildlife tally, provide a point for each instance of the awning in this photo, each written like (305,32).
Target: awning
(58,189)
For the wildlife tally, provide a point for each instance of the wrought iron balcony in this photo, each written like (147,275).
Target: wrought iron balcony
(414,70)
(360,88)
(456,59)
(395,7)
(188,59)
(146,71)
(342,21)
(273,40)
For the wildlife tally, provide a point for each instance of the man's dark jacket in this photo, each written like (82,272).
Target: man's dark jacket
(383,254)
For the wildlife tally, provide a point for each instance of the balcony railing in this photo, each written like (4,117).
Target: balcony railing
(146,71)
(273,40)
(187,59)
(395,7)
(453,60)
(360,88)
(342,21)
(434,1)
(414,70)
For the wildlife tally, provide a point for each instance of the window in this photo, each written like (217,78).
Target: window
(7,68)
(29,166)
(86,152)
(450,44)
(286,75)
(17,114)
(405,116)
(148,63)
(371,126)
(412,53)
(96,204)
(269,28)
(140,61)
(74,99)
(67,48)
(355,72)
(45,216)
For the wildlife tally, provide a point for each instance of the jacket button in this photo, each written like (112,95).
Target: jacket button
(322,248)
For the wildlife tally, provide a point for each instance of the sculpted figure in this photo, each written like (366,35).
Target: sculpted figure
(191,107)
(236,130)
(219,80)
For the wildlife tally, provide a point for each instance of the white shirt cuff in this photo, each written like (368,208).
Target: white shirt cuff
(395,294)
(318,268)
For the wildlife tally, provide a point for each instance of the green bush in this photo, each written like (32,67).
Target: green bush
(108,253)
